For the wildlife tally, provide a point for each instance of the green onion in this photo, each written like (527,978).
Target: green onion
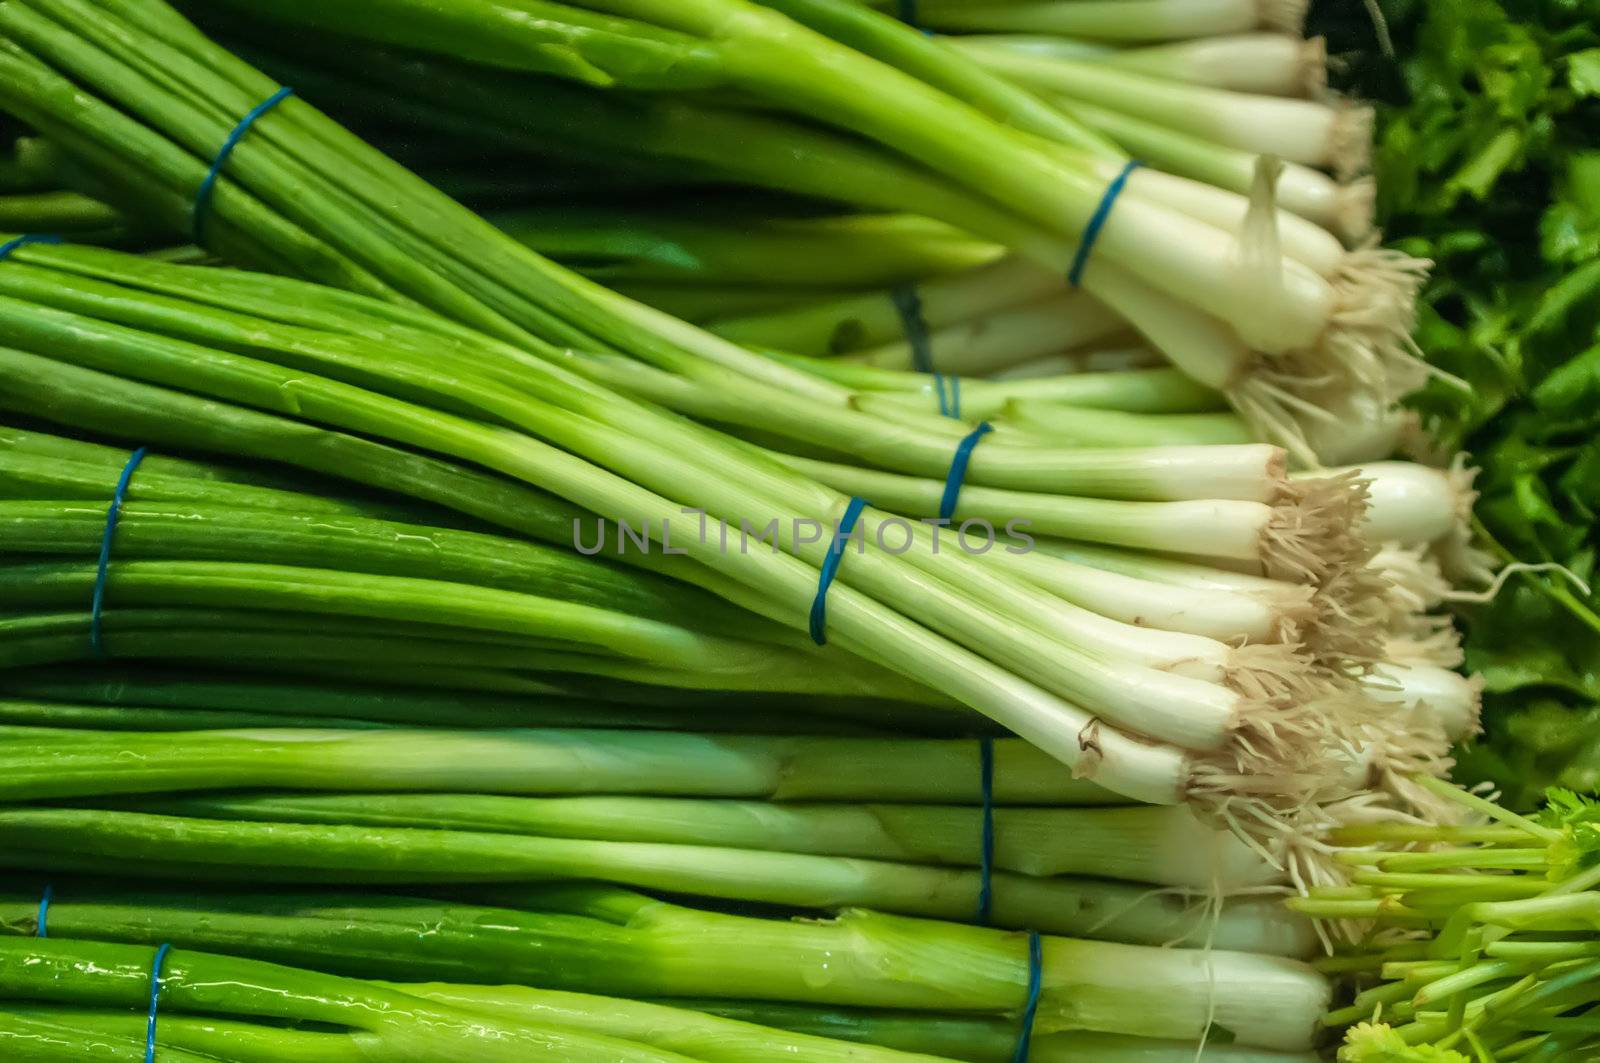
(984,1040)
(622,943)
(1115,20)
(382,1022)
(1179,294)
(1274,64)
(1308,132)
(556,761)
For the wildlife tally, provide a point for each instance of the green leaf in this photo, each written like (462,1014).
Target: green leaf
(1377,1043)
(1583,72)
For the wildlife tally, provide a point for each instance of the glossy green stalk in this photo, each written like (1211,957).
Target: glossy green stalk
(593,939)
(62,840)
(207,700)
(982,1040)
(548,762)
(745,247)
(1145,843)
(402,1026)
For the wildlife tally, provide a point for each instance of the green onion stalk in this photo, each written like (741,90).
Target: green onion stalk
(1227,91)
(283,703)
(1152,844)
(112,343)
(974,347)
(864,322)
(84,219)
(457,584)
(1117,22)
(1474,941)
(981,1040)
(1313,133)
(103,841)
(741,247)
(589,939)
(64,995)
(1189,298)
(676,1033)
(1269,64)
(836,169)
(120,698)
(557,761)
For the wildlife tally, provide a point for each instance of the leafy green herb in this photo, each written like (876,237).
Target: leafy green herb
(1487,164)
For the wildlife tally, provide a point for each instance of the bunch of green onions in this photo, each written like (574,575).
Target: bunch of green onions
(70,1000)
(806,821)
(1245,297)
(286,691)
(251,366)
(866,977)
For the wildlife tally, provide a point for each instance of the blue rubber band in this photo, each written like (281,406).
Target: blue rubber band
(202,196)
(24,240)
(909,305)
(915,326)
(1035,986)
(986,882)
(155,1000)
(1097,221)
(44,911)
(830,568)
(958,469)
(112,513)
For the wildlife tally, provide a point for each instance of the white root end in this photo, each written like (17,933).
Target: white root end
(1283,16)
(1294,614)
(1457,554)
(1439,648)
(1350,141)
(1314,68)
(1314,533)
(1375,309)
(1355,211)
(1414,585)
(1338,747)
(1366,361)
(1348,639)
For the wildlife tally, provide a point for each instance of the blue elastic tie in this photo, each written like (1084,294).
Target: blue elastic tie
(986,883)
(1035,985)
(1097,221)
(24,240)
(915,326)
(112,513)
(155,999)
(958,469)
(44,911)
(830,568)
(202,197)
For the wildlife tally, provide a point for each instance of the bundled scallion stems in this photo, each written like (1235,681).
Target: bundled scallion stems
(63,999)
(63,994)
(813,822)
(1246,296)
(255,367)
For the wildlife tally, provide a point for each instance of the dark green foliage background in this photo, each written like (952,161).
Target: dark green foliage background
(1488,162)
